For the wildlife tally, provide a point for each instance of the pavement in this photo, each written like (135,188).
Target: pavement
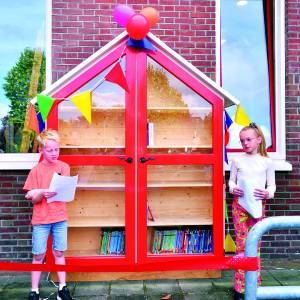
(15,286)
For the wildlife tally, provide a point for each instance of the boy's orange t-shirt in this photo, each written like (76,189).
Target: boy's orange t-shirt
(39,178)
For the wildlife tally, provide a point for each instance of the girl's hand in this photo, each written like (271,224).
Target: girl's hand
(48,193)
(238,192)
(261,194)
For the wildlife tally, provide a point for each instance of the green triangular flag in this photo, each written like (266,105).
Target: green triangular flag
(45,104)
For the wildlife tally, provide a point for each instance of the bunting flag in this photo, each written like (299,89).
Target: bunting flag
(143,43)
(225,155)
(33,120)
(40,121)
(227,124)
(83,102)
(117,76)
(45,104)
(241,117)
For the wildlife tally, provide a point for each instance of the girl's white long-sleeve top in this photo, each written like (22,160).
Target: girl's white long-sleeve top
(253,167)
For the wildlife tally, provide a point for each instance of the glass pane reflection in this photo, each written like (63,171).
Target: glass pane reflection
(179,120)
(98,212)
(106,133)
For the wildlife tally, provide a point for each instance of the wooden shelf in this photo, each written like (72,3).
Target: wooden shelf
(93,186)
(179,184)
(101,221)
(82,253)
(92,147)
(88,253)
(166,109)
(122,146)
(179,221)
(149,253)
(179,146)
(94,108)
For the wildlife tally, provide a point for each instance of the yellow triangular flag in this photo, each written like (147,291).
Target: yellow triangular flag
(241,117)
(83,102)
(230,246)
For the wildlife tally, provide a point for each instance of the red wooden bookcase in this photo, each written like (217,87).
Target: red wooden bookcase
(160,145)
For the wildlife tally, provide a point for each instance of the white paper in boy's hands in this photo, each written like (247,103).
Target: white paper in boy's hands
(64,186)
(248,201)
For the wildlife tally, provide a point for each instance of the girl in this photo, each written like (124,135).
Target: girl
(254,164)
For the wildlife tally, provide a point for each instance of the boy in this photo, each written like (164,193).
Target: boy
(47,217)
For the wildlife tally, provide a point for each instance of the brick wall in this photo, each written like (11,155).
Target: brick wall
(15,215)
(81,27)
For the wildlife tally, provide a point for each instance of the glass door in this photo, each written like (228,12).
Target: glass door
(177,169)
(101,152)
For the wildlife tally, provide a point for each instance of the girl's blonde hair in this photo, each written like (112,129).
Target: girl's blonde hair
(47,134)
(262,146)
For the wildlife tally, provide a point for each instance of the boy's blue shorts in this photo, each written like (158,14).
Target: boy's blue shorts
(40,235)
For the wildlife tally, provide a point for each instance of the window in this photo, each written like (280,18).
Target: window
(245,65)
(251,59)
(22,73)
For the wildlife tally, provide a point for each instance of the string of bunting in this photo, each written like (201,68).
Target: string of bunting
(137,26)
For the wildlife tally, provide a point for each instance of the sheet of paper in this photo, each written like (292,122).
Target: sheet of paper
(64,186)
(248,201)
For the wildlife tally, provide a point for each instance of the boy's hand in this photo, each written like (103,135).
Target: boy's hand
(238,192)
(37,195)
(33,194)
(261,194)
(48,193)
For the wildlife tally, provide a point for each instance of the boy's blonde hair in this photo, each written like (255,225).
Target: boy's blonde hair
(47,134)
(262,146)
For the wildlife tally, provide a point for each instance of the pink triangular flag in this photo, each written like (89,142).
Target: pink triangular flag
(117,76)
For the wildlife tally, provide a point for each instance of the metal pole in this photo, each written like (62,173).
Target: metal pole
(255,234)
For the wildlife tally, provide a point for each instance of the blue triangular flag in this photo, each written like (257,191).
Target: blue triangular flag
(225,155)
(228,120)
(41,122)
(143,43)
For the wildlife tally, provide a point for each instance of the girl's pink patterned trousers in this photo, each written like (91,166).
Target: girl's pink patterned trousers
(243,222)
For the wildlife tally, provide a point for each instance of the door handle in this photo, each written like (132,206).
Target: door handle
(129,159)
(144,159)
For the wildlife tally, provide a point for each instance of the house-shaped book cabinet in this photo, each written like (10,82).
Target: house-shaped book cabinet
(149,200)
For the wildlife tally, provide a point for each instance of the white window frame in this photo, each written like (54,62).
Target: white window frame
(23,161)
(278,157)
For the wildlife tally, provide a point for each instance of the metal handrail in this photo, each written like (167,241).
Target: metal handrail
(252,291)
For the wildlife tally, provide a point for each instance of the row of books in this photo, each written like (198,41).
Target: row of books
(182,241)
(112,242)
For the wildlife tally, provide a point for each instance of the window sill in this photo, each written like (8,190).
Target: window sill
(16,161)
(27,160)
(279,165)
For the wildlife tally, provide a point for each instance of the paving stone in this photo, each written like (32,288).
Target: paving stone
(92,288)
(14,293)
(195,286)
(91,297)
(227,274)
(212,296)
(173,297)
(131,297)
(162,287)
(127,287)
(3,282)
(286,277)
(267,279)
